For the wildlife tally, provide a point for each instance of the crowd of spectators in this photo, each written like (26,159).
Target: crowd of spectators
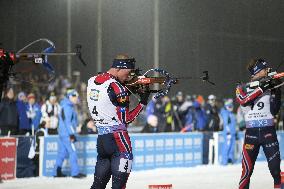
(32,104)
(27,107)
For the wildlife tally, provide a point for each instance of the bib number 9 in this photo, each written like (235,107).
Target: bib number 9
(260,106)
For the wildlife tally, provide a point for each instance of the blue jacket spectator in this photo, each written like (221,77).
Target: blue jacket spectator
(199,116)
(190,120)
(24,125)
(229,132)
(33,112)
(67,128)
(68,120)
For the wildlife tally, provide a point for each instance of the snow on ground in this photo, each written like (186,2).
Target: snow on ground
(200,177)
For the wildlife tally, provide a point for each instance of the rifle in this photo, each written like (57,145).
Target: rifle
(9,59)
(142,82)
(271,76)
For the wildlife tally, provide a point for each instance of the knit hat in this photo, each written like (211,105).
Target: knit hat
(71,92)
(260,65)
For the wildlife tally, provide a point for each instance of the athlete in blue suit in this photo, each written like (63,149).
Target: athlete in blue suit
(66,130)
(229,132)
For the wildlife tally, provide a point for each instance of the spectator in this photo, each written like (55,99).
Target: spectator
(212,112)
(151,125)
(33,112)
(8,114)
(179,114)
(67,137)
(199,116)
(88,127)
(241,119)
(50,114)
(168,125)
(24,125)
(229,132)
(190,120)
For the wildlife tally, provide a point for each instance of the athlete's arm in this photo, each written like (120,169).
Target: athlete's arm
(119,96)
(244,98)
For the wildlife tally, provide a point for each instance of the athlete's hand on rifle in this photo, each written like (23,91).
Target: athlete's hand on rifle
(144,96)
(266,84)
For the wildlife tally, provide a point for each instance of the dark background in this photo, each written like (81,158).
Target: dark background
(195,35)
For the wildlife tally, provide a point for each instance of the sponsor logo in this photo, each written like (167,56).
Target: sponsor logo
(91,161)
(159,158)
(91,145)
(159,143)
(238,91)
(169,143)
(94,94)
(79,145)
(7,175)
(7,159)
(169,157)
(274,155)
(139,144)
(250,136)
(49,164)
(7,144)
(81,162)
(197,156)
(38,60)
(188,156)
(139,159)
(179,142)
(249,146)
(150,159)
(149,143)
(51,147)
(122,99)
(271,144)
(197,141)
(188,142)
(268,135)
(179,157)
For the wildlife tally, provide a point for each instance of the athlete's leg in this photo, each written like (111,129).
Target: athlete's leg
(121,167)
(102,173)
(121,163)
(250,152)
(272,153)
(105,147)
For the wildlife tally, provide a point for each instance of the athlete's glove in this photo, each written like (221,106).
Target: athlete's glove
(144,97)
(264,85)
(72,138)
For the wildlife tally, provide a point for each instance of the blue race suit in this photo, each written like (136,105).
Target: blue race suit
(229,134)
(67,127)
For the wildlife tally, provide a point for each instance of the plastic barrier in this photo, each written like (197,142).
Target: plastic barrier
(150,151)
(8,148)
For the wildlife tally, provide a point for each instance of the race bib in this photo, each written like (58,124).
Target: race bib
(125,165)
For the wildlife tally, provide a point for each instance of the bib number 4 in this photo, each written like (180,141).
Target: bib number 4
(125,165)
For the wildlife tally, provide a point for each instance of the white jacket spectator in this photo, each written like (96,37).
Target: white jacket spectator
(50,111)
